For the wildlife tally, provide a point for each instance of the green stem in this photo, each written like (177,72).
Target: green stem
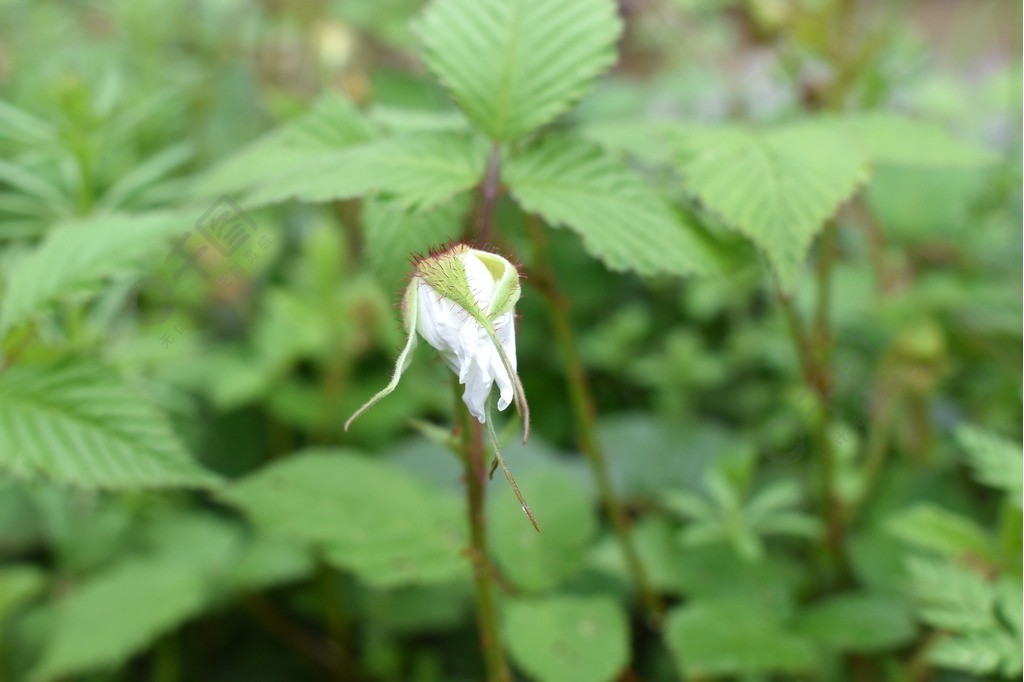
(334,619)
(814,375)
(584,415)
(474,458)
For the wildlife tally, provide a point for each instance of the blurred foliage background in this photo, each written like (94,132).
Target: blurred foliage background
(178,500)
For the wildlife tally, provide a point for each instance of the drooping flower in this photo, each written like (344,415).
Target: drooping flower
(462,302)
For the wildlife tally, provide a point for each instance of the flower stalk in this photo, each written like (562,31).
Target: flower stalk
(473,456)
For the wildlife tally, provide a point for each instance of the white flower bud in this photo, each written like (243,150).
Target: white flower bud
(462,302)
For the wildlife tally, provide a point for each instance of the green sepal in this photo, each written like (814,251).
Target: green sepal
(410,311)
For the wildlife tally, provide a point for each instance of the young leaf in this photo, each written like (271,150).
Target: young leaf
(778,187)
(418,171)
(515,65)
(368,517)
(79,255)
(564,639)
(622,221)
(982,619)
(996,461)
(928,526)
(77,423)
(951,597)
(979,653)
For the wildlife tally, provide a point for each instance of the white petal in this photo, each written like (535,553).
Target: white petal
(481,281)
(504,328)
(439,322)
(463,343)
(478,390)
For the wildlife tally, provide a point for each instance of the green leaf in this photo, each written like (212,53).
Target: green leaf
(515,65)
(109,618)
(717,572)
(642,140)
(77,423)
(961,602)
(1009,604)
(392,236)
(18,584)
(927,526)
(897,140)
(564,639)
(733,637)
(416,609)
(540,561)
(369,518)
(623,222)
(996,461)
(778,186)
(951,597)
(978,653)
(660,554)
(333,122)
(78,256)
(861,623)
(417,171)
(269,562)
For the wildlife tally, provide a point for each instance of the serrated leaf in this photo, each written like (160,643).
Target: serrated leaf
(647,141)
(622,221)
(540,561)
(1010,604)
(564,639)
(78,255)
(392,235)
(892,139)
(951,597)
(927,526)
(733,637)
(332,123)
(77,423)
(367,517)
(416,171)
(122,611)
(515,65)
(996,461)
(862,623)
(978,653)
(778,186)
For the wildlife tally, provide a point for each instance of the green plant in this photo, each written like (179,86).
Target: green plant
(760,308)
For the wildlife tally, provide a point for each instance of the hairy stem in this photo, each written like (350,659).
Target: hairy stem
(584,415)
(489,189)
(474,457)
(822,315)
